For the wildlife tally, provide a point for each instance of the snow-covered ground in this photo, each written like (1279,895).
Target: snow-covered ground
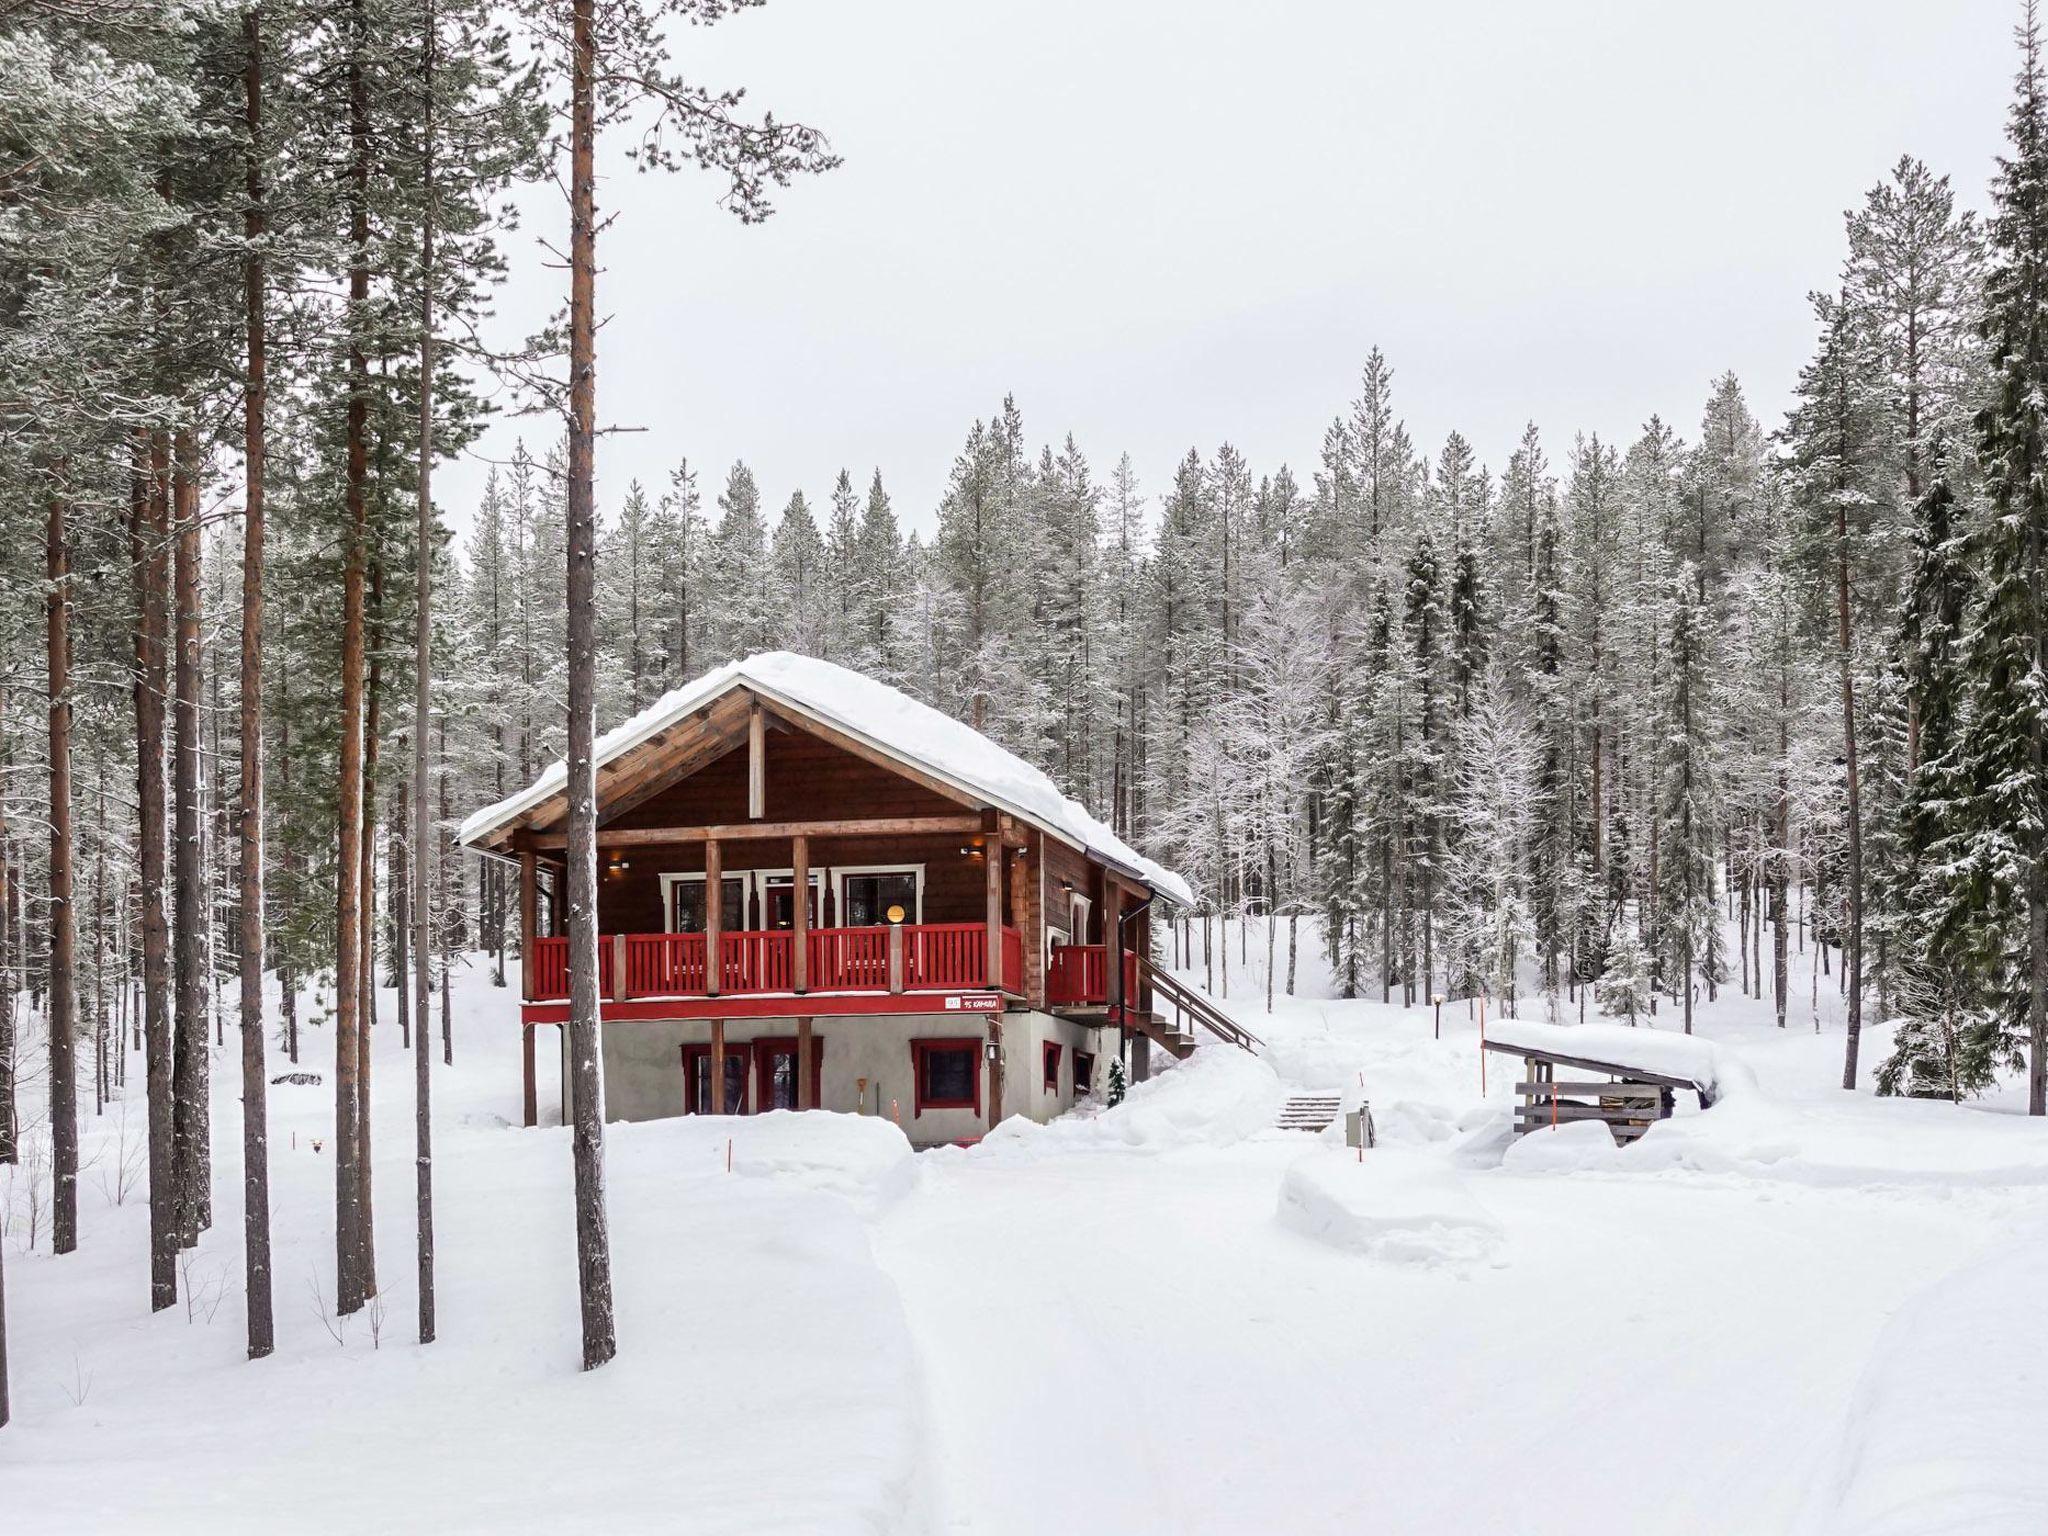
(1803,1311)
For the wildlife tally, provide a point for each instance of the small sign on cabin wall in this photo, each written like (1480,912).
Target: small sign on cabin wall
(978,1002)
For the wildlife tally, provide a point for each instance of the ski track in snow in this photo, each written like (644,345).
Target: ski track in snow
(1105,1325)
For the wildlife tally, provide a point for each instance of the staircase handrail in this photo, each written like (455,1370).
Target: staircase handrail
(1191,1000)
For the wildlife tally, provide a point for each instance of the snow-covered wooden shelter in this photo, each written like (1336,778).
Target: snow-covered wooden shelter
(1636,1074)
(969,943)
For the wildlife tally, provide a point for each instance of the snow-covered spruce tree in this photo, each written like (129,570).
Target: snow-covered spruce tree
(881,580)
(842,571)
(680,576)
(1949,1043)
(1628,988)
(1426,745)
(1493,796)
(631,558)
(741,599)
(1553,870)
(1278,723)
(1652,509)
(1691,915)
(1998,849)
(1345,846)
(800,612)
(1843,482)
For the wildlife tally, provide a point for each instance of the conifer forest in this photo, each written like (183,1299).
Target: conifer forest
(1593,723)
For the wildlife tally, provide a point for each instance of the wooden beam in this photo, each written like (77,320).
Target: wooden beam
(529,919)
(759,831)
(896,957)
(532,1088)
(647,769)
(992,865)
(800,912)
(714,915)
(715,1076)
(1027,907)
(995,1073)
(642,774)
(757,761)
(806,1067)
(618,968)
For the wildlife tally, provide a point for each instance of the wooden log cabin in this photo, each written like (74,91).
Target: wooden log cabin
(968,945)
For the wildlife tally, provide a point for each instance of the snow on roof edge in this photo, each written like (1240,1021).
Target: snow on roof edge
(882,717)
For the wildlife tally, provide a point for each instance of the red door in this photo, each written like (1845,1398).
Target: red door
(775,1072)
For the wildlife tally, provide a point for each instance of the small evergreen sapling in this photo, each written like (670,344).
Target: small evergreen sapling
(1116,1083)
(1625,990)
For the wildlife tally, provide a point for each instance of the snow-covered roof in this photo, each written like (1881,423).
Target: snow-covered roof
(1660,1052)
(881,717)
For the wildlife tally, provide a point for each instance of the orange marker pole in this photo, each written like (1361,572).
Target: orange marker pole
(1482,1045)
(728,1154)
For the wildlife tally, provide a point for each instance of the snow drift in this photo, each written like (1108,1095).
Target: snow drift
(1399,1207)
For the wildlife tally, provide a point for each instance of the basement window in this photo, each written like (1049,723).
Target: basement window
(1052,1066)
(1084,1073)
(947,1074)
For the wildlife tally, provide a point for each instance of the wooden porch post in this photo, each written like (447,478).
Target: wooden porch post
(757,762)
(1027,906)
(992,863)
(806,1069)
(529,892)
(714,916)
(619,968)
(895,957)
(532,1088)
(800,912)
(715,1077)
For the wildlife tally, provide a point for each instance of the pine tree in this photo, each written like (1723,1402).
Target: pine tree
(2005,745)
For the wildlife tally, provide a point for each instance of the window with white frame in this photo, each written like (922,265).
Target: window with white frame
(878,895)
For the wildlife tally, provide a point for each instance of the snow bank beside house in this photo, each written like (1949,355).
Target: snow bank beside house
(1217,1097)
(1942,1434)
(1717,1071)
(865,1158)
(1402,1208)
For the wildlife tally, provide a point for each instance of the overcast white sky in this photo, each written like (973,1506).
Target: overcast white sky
(1175,223)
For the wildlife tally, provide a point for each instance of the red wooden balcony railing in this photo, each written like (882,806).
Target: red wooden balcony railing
(1077,976)
(936,957)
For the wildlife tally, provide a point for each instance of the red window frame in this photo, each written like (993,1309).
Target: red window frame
(692,1054)
(1052,1066)
(1084,1072)
(919,1050)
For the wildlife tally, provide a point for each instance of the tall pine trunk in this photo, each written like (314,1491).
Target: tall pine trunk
(63,1016)
(422,712)
(350,1281)
(1852,946)
(191,1061)
(255,1119)
(149,554)
(593,1241)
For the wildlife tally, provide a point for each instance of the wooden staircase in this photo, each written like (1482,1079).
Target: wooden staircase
(1190,1008)
(1310,1111)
